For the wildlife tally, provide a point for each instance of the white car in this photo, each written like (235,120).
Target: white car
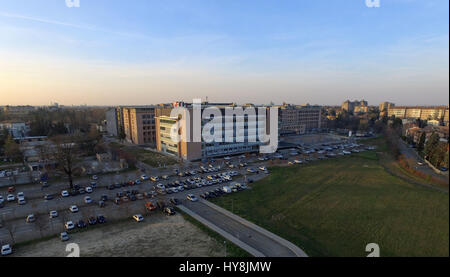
(53,214)
(262,168)
(138,217)
(192,198)
(6,249)
(144,177)
(73,209)
(69,225)
(64,193)
(10,198)
(20,195)
(297,161)
(88,189)
(64,236)
(87,200)
(160,186)
(94,177)
(21,201)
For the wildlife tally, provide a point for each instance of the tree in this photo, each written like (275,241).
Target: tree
(122,134)
(431,145)
(12,150)
(67,152)
(421,144)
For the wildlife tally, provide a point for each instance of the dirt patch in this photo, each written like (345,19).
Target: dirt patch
(158,236)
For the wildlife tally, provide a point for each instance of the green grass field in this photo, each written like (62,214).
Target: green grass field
(336,207)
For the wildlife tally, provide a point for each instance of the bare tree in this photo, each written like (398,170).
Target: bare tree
(67,152)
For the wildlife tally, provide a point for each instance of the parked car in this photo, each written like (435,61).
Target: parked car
(101,219)
(88,189)
(169,211)
(101,204)
(150,206)
(21,201)
(53,214)
(87,200)
(30,218)
(192,198)
(175,201)
(138,218)
(64,193)
(6,249)
(69,225)
(64,236)
(11,189)
(94,177)
(73,209)
(10,198)
(48,197)
(81,224)
(92,220)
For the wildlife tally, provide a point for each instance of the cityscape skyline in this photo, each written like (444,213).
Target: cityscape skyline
(113,53)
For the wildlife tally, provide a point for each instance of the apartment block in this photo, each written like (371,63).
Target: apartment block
(139,125)
(420,112)
(355,106)
(299,119)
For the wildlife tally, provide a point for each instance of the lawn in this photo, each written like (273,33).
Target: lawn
(336,207)
(151,158)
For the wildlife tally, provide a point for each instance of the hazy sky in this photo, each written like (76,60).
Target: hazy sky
(109,52)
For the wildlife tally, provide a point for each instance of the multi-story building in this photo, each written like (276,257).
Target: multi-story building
(112,122)
(188,149)
(355,106)
(15,129)
(419,112)
(299,119)
(18,110)
(139,125)
(385,106)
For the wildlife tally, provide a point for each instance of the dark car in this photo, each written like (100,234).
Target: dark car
(48,197)
(92,221)
(120,194)
(135,192)
(74,192)
(203,196)
(111,187)
(104,197)
(81,224)
(444,169)
(133,197)
(117,201)
(175,201)
(169,211)
(117,185)
(77,187)
(101,219)
(101,203)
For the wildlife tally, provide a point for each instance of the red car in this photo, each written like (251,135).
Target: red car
(149,206)
(11,189)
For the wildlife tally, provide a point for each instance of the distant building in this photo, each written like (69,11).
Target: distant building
(296,119)
(15,129)
(112,123)
(355,106)
(139,125)
(18,110)
(420,112)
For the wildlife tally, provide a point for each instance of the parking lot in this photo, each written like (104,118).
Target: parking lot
(126,194)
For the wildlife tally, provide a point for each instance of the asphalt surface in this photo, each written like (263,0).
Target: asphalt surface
(260,242)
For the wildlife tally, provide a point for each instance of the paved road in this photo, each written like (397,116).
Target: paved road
(260,242)
(412,154)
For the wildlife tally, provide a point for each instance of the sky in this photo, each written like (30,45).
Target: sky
(137,52)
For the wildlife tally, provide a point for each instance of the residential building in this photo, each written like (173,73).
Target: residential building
(355,106)
(139,125)
(419,112)
(18,110)
(112,123)
(296,119)
(15,129)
